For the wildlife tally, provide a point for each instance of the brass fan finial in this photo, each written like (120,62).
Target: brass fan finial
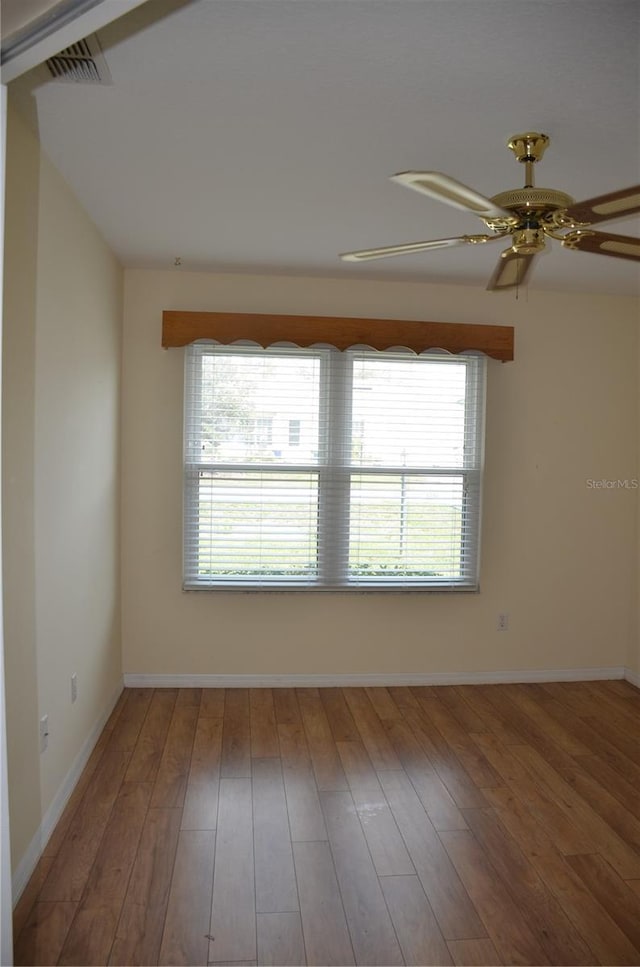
(528,147)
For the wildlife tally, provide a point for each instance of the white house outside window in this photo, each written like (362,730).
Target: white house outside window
(315,468)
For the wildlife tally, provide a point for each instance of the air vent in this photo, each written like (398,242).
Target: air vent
(81,63)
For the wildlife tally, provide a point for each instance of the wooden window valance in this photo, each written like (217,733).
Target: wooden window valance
(181,328)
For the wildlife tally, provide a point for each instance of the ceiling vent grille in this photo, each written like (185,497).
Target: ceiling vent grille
(81,63)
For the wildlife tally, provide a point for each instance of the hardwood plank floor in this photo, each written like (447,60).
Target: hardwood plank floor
(275,880)
(372,934)
(94,926)
(233,912)
(142,918)
(150,745)
(324,923)
(184,939)
(388,852)
(280,941)
(200,809)
(418,933)
(442,825)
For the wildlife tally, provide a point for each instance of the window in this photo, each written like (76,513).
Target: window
(294,433)
(263,430)
(317,468)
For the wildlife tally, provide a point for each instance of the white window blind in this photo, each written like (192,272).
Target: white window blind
(324,469)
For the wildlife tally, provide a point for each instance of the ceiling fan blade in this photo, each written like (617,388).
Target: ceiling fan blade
(406,249)
(512,269)
(452,192)
(605,208)
(602,243)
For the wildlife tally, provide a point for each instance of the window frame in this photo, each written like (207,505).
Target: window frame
(334,505)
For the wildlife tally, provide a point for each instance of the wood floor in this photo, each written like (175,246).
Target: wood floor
(477,825)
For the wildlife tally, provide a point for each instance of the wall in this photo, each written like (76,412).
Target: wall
(558,555)
(6,926)
(61,374)
(634,648)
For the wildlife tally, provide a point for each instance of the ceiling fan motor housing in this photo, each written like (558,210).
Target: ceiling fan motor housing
(539,201)
(533,210)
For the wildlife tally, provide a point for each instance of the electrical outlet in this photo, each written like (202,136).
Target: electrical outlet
(74,687)
(44,733)
(503,622)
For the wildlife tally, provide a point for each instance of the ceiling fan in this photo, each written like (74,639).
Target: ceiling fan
(526,216)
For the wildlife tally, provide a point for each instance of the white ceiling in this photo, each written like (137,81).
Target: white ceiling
(258,135)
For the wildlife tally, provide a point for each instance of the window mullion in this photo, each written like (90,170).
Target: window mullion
(333,525)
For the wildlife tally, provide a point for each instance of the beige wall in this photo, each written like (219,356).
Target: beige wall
(61,363)
(634,649)
(559,557)
(18,405)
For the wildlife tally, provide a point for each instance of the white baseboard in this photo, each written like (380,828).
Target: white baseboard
(29,860)
(633,677)
(337,681)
